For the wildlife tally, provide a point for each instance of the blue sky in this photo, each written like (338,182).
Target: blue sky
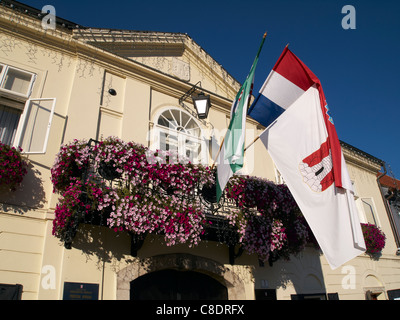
(359,68)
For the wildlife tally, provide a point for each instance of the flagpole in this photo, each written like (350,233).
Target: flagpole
(248,104)
(254,141)
(219,151)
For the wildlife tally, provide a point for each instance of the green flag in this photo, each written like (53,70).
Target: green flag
(231,156)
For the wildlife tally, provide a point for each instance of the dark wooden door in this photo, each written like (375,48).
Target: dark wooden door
(177,285)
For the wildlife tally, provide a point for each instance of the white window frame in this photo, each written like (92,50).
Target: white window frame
(23,122)
(373,207)
(13,94)
(355,189)
(181,136)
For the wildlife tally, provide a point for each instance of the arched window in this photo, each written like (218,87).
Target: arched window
(177,131)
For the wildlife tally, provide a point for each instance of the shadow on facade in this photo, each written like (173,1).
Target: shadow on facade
(102,244)
(29,196)
(299,278)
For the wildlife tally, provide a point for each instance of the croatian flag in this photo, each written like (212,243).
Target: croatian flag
(302,141)
(288,80)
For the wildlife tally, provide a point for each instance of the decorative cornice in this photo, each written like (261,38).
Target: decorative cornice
(360,158)
(26,28)
(131,44)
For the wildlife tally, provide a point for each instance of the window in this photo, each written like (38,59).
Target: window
(179,132)
(375,294)
(313,296)
(394,294)
(24,122)
(34,126)
(9,118)
(10,292)
(316,296)
(15,83)
(369,210)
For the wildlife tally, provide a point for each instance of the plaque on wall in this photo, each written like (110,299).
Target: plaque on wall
(80,291)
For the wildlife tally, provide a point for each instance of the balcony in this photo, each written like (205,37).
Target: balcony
(128,188)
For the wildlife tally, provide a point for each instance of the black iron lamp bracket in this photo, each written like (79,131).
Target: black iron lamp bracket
(190,92)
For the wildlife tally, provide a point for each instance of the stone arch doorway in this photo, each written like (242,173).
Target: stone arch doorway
(234,283)
(172,284)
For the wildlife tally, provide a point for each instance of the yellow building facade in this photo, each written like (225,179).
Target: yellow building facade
(85,83)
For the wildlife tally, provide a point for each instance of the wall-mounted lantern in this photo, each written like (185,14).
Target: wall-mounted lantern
(201,101)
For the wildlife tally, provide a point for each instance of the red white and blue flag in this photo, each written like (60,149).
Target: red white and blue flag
(288,80)
(302,141)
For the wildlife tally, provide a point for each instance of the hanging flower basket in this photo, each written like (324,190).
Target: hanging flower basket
(209,191)
(69,164)
(12,167)
(374,238)
(154,193)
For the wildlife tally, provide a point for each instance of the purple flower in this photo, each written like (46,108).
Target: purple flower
(12,167)
(157,194)
(374,238)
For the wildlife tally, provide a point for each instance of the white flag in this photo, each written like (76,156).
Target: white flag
(298,144)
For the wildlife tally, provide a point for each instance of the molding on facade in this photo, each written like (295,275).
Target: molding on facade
(361,159)
(134,44)
(66,42)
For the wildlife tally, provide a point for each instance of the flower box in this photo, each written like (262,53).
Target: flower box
(12,167)
(130,188)
(374,238)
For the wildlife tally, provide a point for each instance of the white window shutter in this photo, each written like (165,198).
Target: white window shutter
(34,126)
